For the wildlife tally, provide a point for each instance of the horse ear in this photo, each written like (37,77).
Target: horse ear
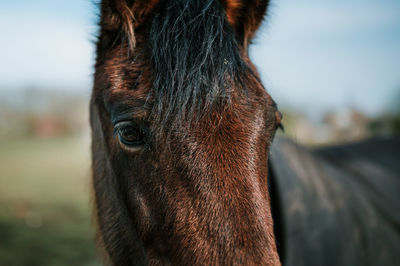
(245,16)
(125,16)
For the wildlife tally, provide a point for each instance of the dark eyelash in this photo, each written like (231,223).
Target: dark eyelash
(116,130)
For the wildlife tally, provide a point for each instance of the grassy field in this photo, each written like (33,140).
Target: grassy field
(45,214)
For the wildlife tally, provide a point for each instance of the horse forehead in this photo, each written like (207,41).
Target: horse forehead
(131,76)
(125,74)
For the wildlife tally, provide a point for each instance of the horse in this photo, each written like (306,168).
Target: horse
(337,205)
(185,170)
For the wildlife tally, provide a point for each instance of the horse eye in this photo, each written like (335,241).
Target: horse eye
(129,134)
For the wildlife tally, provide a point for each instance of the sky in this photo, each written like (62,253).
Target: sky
(313,55)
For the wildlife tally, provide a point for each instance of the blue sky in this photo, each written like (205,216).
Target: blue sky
(313,55)
(331,54)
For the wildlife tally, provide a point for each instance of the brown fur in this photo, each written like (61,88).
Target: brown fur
(197,196)
(120,15)
(245,16)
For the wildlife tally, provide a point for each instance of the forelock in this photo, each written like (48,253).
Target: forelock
(196,59)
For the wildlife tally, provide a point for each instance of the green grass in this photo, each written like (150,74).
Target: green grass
(44,202)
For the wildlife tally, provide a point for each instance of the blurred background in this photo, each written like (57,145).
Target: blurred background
(333,67)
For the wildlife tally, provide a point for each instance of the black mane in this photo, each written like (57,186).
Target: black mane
(196,58)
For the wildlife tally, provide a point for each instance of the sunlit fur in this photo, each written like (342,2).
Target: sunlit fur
(196,193)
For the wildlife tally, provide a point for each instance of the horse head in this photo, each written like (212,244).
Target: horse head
(181,130)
